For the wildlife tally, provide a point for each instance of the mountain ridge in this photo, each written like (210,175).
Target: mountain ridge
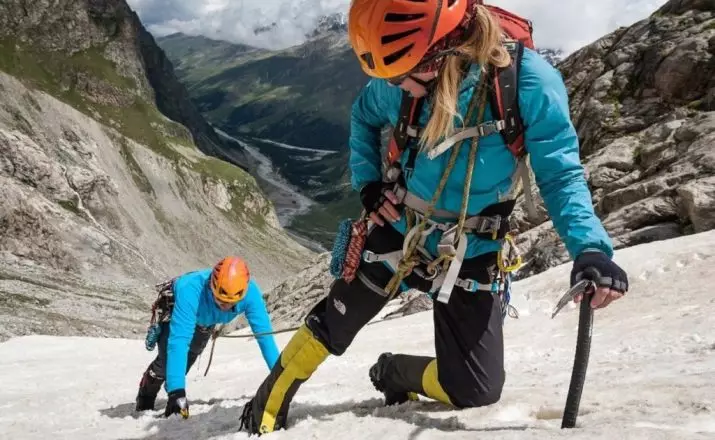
(103,194)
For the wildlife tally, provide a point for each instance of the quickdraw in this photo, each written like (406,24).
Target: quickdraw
(507,265)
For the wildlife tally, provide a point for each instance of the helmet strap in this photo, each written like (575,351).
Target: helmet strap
(424,83)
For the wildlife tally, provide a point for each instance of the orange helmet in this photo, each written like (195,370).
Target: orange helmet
(229,280)
(391,37)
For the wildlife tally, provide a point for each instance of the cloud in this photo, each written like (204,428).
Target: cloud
(571,24)
(236,20)
(564,24)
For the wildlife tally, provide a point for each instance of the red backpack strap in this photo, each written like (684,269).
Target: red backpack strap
(410,109)
(505,99)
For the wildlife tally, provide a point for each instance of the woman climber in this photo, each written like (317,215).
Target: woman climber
(438,206)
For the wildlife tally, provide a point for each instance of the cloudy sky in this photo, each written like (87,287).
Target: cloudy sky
(565,24)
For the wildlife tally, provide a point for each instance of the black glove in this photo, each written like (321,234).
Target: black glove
(597,267)
(372,196)
(177,404)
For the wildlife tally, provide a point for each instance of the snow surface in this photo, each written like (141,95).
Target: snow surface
(651,374)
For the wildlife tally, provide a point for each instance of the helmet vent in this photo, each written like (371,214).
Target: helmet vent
(397,55)
(367,57)
(392,17)
(387,39)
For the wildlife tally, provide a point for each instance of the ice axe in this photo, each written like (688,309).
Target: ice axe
(583,347)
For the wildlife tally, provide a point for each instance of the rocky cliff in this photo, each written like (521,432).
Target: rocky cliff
(643,102)
(89,30)
(102,193)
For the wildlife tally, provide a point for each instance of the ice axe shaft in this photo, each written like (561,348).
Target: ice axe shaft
(583,348)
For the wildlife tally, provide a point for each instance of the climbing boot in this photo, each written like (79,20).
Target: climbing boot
(378,377)
(268,409)
(149,387)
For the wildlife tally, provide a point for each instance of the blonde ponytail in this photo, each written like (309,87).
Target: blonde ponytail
(483,47)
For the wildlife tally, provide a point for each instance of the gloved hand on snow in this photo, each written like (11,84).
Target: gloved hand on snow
(611,281)
(177,404)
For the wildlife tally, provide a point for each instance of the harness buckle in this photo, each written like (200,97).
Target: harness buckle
(489,128)
(447,242)
(490,224)
(370,256)
(469,285)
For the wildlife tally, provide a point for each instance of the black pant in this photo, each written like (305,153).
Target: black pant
(468,338)
(468,330)
(156,372)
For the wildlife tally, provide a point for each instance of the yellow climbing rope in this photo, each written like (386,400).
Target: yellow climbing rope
(410,260)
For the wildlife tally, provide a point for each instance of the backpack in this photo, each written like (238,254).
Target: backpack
(504,102)
(161,311)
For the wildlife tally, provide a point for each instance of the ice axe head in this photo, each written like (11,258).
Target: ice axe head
(183,407)
(581,287)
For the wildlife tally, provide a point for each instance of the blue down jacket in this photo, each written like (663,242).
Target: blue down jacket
(194,305)
(550,139)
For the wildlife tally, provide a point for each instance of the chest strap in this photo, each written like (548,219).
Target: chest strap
(482,130)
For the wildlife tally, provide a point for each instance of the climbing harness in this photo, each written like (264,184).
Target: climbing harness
(450,257)
(160,312)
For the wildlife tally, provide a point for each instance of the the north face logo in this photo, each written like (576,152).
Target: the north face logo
(339,306)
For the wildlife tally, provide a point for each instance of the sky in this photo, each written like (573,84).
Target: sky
(563,24)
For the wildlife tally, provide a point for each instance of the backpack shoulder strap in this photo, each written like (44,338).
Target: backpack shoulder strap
(505,106)
(505,99)
(410,108)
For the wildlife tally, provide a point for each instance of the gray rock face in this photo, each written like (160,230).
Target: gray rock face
(697,200)
(87,29)
(81,203)
(642,102)
(289,302)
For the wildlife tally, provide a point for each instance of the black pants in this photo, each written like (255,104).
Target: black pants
(155,374)
(468,368)
(467,331)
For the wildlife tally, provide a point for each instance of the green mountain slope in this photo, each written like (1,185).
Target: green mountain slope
(300,96)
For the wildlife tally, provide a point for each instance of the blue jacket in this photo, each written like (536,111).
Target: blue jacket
(550,138)
(194,305)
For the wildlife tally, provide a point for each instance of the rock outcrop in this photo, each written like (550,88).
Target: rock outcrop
(289,302)
(93,30)
(643,102)
(104,195)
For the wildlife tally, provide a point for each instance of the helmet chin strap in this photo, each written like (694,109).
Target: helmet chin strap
(422,82)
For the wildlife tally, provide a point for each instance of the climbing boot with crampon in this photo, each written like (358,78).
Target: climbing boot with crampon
(149,387)
(377,377)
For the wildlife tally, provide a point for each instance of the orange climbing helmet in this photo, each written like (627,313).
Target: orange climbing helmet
(229,280)
(392,37)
